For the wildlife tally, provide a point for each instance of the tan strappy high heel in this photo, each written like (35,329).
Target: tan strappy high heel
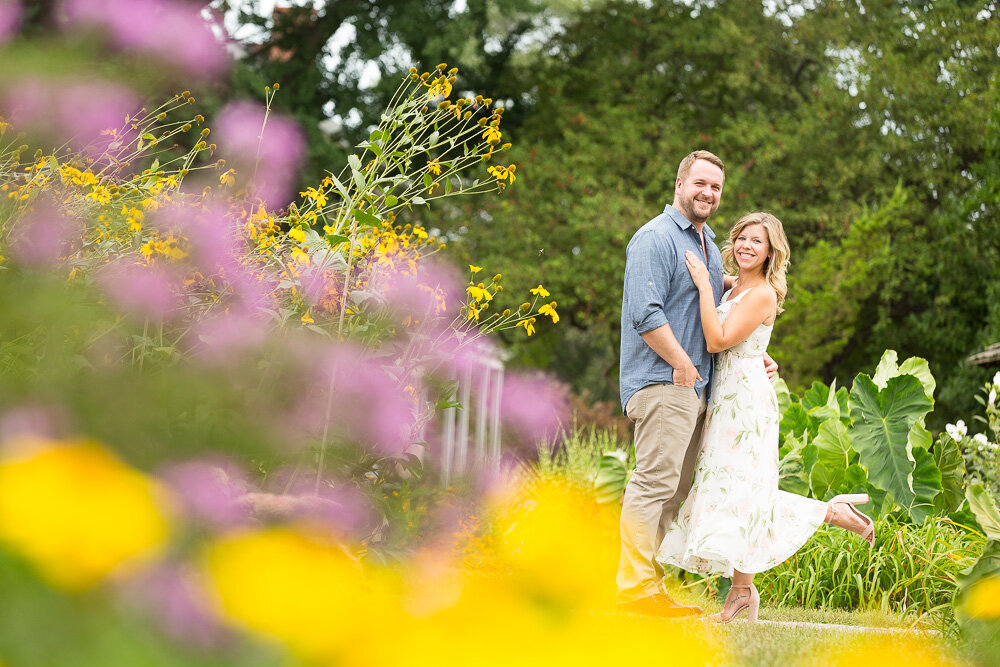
(868,532)
(751,604)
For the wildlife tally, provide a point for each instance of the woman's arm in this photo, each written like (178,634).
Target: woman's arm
(751,312)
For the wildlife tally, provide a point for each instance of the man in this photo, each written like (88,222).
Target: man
(665,378)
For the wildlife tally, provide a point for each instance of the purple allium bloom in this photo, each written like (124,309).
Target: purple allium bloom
(90,115)
(222,337)
(45,235)
(367,406)
(208,491)
(173,31)
(174,596)
(10,18)
(33,421)
(533,405)
(145,292)
(265,156)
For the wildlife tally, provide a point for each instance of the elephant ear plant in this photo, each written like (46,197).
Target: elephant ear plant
(976,600)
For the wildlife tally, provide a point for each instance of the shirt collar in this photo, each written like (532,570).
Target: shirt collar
(681,221)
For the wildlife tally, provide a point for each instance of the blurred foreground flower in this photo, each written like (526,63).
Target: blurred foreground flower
(265,148)
(533,405)
(982,600)
(10,18)
(45,236)
(298,587)
(90,115)
(156,27)
(560,546)
(868,651)
(75,511)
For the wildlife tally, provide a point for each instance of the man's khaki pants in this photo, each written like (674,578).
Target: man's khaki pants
(668,429)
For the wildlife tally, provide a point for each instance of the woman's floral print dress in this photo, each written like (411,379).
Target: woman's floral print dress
(735,517)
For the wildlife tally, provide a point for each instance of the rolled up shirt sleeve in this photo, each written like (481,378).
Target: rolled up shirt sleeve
(648,267)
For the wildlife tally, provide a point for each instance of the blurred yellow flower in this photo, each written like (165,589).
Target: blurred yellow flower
(983,599)
(296,234)
(474,268)
(528,324)
(228,177)
(869,651)
(76,512)
(296,586)
(434,167)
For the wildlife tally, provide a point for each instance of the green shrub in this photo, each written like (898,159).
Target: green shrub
(911,571)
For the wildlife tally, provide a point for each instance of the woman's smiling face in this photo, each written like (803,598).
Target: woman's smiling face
(751,248)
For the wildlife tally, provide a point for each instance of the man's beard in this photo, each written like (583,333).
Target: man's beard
(687,208)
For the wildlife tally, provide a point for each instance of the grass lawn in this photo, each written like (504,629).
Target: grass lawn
(821,640)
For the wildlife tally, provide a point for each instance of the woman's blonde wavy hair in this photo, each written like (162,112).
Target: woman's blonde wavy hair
(776,264)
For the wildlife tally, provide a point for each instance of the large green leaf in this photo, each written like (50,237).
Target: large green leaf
(880,432)
(921,369)
(887,368)
(792,473)
(612,476)
(855,479)
(926,484)
(784,396)
(916,366)
(985,509)
(988,564)
(796,422)
(828,410)
(815,396)
(833,456)
(948,458)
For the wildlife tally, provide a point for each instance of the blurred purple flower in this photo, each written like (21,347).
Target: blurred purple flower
(265,160)
(344,511)
(209,491)
(431,295)
(10,18)
(45,235)
(88,114)
(175,597)
(32,421)
(143,291)
(223,337)
(210,230)
(534,406)
(171,30)
(368,406)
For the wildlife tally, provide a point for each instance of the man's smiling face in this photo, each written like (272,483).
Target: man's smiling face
(698,195)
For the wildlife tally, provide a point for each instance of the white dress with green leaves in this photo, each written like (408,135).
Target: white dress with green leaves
(735,517)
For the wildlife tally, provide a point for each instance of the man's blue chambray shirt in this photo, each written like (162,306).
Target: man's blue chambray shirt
(659,290)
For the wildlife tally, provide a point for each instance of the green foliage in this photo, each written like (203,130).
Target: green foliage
(987,567)
(872,441)
(911,570)
(612,477)
(880,434)
(577,456)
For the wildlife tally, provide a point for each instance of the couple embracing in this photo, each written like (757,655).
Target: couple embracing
(695,382)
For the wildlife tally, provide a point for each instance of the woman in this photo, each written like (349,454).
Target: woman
(735,521)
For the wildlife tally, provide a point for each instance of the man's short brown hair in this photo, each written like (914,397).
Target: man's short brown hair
(685,167)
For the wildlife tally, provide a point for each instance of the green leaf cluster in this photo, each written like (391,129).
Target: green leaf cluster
(872,440)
